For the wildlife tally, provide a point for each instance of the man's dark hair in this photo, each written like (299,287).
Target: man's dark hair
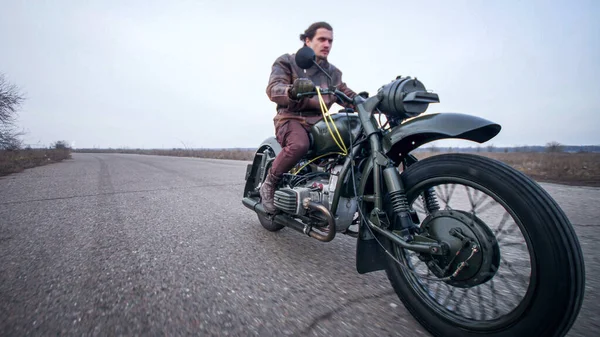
(312,30)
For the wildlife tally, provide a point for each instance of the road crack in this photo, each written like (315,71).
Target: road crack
(341,308)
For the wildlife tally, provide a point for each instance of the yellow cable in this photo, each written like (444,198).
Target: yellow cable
(310,161)
(339,141)
(325,112)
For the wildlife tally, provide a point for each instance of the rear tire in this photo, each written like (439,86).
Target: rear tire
(557,281)
(268,224)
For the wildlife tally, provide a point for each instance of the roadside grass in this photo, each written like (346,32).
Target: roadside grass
(581,169)
(233,153)
(14,161)
(558,167)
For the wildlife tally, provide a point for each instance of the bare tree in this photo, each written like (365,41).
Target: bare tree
(554,147)
(10,101)
(61,144)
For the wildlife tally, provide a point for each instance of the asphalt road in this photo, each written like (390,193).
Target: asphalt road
(108,244)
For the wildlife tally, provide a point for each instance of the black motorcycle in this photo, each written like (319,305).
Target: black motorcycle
(470,245)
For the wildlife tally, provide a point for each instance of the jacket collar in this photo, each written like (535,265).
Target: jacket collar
(312,71)
(323,63)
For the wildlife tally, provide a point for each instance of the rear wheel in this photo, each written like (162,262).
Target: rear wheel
(526,277)
(266,222)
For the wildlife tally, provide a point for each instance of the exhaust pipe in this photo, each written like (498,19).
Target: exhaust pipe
(311,205)
(286,220)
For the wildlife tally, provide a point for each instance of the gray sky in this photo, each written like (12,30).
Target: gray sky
(166,73)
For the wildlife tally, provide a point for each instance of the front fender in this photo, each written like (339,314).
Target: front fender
(398,143)
(427,128)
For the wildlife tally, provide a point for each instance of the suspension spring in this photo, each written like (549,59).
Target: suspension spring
(399,203)
(431,200)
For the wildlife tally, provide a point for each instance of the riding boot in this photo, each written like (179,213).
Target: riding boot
(267,192)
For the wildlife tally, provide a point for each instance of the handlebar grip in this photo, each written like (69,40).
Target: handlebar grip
(306,94)
(313,93)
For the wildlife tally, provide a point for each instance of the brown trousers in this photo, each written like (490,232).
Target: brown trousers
(293,138)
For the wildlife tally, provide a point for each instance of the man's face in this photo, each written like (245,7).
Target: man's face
(321,42)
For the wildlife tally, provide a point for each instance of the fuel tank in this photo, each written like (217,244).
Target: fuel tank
(321,140)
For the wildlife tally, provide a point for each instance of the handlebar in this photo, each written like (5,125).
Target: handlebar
(327,91)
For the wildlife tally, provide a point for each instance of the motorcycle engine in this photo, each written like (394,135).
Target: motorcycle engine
(321,190)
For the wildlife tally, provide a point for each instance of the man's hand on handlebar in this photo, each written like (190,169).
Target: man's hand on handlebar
(304,87)
(333,91)
(301,86)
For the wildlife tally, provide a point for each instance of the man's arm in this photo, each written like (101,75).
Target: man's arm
(344,88)
(349,92)
(280,83)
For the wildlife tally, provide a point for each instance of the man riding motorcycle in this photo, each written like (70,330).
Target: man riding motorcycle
(296,116)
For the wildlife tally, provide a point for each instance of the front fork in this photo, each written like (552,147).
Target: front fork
(405,233)
(429,197)
(404,216)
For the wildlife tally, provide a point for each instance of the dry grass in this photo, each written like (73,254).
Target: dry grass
(19,160)
(565,168)
(235,154)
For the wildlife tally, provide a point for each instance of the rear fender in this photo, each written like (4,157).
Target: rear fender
(254,174)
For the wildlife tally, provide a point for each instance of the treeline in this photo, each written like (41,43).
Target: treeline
(553,147)
(14,157)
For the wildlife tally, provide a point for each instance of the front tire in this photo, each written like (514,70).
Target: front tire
(552,300)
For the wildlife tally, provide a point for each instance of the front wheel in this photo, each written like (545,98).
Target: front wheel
(526,277)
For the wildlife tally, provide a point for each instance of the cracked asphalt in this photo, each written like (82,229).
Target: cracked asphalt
(112,244)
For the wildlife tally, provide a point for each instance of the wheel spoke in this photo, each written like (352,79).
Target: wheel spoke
(446,194)
(511,269)
(501,224)
(439,191)
(418,206)
(515,244)
(481,306)
(518,276)
(487,206)
(451,293)
(475,202)
(450,193)
(511,289)
(509,231)
(437,291)
(461,299)
(494,300)
(472,307)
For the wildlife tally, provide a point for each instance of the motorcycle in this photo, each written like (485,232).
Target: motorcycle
(470,245)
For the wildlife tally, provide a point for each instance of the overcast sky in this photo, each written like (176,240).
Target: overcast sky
(160,74)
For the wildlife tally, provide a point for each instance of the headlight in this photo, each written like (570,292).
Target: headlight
(405,97)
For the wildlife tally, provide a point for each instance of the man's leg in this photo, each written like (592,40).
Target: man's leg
(294,143)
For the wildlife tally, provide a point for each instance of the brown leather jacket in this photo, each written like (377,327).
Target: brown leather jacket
(307,110)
